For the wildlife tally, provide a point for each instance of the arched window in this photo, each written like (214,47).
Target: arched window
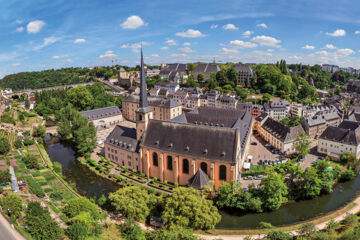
(185,166)
(169,163)
(155,159)
(203,167)
(222,172)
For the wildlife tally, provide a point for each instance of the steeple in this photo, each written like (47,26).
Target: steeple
(143,93)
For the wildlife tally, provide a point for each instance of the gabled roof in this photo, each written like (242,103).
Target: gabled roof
(204,142)
(280,131)
(102,113)
(154,101)
(244,68)
(338,134)
(206,68)
(123,137)
(199,180)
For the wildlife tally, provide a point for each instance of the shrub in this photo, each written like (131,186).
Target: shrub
(347,175)
(77,231)
(264,225)
(31,161)
(34,187)
(131,231)
(28,142)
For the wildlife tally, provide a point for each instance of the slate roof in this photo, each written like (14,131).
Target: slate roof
(349,125)
(280,131)
(100,113)
(154,101)
(244,68)
(206,68)
(123,137)
(199,180)
(354,116)
(211,143)
(166,84)
(226,99)
(338,134)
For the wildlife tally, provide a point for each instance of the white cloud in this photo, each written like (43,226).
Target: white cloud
(20,29)
(108,55)
(230,26)
(322,53)
(47,41)
(344,52)
(190,33)
(297,58)
(337,33)
(270,50)
(357,32)
(213,26)
(35,26)
(133,22)
(178,55)
(262,25)
(59,57)
(247,33)
(18,21)
(135,47)
(186,49)
(308,47)
(79,40)
(267,41)
(15,64)
(164,48)
(69,60)
(55,57)
(171,42)
(329,46)
(155,55)
(187,44)
(229,50)
(242,44)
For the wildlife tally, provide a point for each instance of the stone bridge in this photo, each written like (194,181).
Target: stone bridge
(29,91)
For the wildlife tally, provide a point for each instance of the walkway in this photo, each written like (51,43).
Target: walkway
(13,180)
(7,231)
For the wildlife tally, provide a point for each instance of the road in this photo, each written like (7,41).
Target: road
(7,232)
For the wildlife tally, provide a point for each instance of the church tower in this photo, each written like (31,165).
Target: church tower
(144,113)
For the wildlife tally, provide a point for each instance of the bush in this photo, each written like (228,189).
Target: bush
(264,225)
(18,143)
(4,145)
(31,161)
(13,203)
(28,142)
(57,168)
(131,231)
(57,196)
(5,176)
(76,231)
(347,175)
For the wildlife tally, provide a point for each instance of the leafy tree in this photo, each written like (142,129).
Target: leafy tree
(186,208)
(310,185)
(347,175)
(348,158)
(39,131)
(200,77)
(18,143)
(39,223)
(27,103)
(76,231)
(119,100)
(273,190)
(278,235)
(80,97)
(302,144)
(173,233)
(134,203)
(11,204)
(232,75)
(5,176)
(4,145)
(31,161)
(75,206)
(266,97)
(221,77)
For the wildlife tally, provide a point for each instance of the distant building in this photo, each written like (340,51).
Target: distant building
(174,72)
(344,138)
(226,102)
(172,87)
(245,74)
(152,72)
(353,86)
(296,109)
(278,135)
(277,109)
(205,69)
(104,117)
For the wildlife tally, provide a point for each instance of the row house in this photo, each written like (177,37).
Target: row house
(226,102)
(344,138)
(277,109)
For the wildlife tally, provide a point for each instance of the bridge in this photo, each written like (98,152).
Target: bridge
(29,91)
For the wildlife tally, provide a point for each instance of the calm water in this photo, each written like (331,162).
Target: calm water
(91,185)
(87,182)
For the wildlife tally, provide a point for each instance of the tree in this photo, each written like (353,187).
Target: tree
(348,158)
(27,103)
(347,175)
(4,145)
(273,190)
(200,77)
(39,131)
(232,75)
(186,208)
(131,231)
(221,77)
(119,100)
(75,206)
(266,97)
(11,204)
(5,176)
(31,161)
(278,235)
(18,143)
(173,233)
(310,185)
(39,223)
(80,98)
(57,168)
(76,231)
(134,203)
(302,144)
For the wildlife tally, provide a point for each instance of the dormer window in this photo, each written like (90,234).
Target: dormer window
(205,151)
(170,145)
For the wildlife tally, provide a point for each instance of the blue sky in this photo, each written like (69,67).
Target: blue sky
(42,34)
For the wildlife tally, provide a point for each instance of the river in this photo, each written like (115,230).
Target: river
(91,185)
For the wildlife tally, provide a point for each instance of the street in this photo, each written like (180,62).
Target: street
(7,232)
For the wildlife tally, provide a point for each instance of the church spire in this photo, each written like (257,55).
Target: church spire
(143,93)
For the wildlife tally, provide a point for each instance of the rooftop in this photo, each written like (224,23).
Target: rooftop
(100,113)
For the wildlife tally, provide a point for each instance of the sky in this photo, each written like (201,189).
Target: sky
(42,34)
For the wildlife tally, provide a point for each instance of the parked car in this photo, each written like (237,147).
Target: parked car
(267,145)
(261,162)
(276,151)
(250,177)
(254,143)
(266,162)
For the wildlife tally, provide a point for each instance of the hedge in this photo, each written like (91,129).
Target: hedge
(34,187)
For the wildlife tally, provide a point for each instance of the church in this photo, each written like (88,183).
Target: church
(207,151)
